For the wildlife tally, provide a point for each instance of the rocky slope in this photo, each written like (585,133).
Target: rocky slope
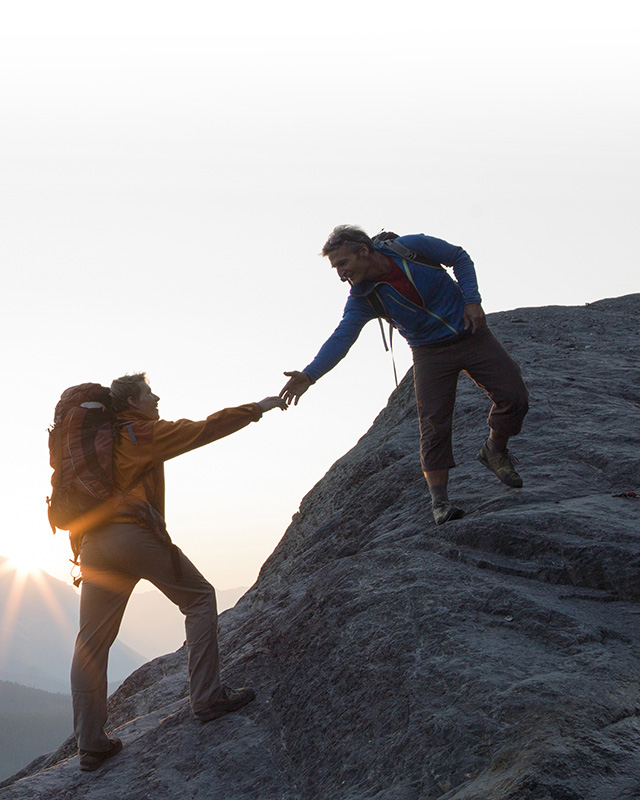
(494,658)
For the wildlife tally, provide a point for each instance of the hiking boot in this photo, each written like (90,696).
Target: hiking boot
(501,463)
(443,511)
(229,700)
(91,761)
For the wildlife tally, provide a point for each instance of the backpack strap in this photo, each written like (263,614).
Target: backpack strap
(375,301)
(132,435)
(393,358)
(411,255)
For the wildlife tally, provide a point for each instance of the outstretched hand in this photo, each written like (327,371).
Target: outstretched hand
(295,387)
(474,317)
(272,402)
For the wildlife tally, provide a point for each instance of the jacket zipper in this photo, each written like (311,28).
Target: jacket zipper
(414,306)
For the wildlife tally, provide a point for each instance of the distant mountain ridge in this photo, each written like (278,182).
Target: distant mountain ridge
(39,624)
(153,625)
(496,657)
(42,618)
(39,621)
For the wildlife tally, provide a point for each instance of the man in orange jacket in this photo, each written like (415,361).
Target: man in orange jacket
(134,545)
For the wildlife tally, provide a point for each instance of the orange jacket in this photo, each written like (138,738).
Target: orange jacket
(145,444)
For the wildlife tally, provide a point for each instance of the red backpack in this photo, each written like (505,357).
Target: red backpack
(83,494)
(81,454)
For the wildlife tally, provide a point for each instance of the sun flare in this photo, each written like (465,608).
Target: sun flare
(21,559)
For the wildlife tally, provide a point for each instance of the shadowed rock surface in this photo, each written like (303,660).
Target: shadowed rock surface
(494,658)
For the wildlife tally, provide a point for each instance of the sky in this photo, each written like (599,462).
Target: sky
(169,173)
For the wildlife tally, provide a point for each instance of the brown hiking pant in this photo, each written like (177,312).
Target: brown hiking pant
(435,372)
(113,560)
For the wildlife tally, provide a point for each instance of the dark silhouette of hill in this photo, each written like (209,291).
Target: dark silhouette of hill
(31,722)
(494,658)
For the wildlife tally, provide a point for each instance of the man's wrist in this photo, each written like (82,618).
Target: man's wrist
(308,377)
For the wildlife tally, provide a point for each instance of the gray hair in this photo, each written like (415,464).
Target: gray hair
(351,235)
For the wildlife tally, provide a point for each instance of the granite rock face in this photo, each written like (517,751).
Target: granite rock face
(496,657)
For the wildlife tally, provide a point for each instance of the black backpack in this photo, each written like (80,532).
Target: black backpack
(389,239)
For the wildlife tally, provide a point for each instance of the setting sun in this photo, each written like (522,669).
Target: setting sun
(35,551)
(21,558)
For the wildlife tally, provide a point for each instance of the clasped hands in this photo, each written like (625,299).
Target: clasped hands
(291,392)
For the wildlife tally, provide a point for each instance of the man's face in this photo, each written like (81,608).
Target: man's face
(147,403)
(351,265)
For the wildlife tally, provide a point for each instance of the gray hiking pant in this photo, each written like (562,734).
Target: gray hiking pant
(435,372)
(113,559)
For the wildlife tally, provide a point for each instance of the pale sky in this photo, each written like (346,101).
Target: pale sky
(170,171)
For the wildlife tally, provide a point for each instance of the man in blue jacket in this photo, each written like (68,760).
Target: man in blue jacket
(403,280)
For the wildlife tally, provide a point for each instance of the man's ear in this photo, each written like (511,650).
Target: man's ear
(133,403)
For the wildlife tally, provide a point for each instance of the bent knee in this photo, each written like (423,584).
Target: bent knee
(515,398)
(203,598)
(520,401)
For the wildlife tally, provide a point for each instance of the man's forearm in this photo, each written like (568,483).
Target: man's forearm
(171,439)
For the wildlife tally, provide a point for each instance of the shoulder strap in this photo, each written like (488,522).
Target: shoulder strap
(376,303)
(411,255)
(378,306)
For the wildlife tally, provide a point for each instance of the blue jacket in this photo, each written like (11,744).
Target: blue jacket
(440,318)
